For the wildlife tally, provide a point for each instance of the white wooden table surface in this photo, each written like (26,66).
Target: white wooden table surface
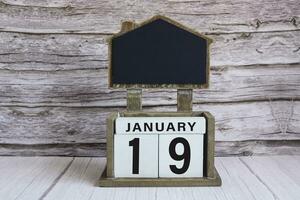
(276,177)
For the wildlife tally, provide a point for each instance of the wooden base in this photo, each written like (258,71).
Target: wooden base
(159,182)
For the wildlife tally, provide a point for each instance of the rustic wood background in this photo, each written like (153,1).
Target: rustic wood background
(54,96)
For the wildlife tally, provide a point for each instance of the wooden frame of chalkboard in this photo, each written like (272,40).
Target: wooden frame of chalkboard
(210,178)
(174,86)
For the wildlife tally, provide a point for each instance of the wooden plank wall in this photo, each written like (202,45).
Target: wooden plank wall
(54,96)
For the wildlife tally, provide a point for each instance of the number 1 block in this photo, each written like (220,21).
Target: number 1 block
(181,155)
(136,156)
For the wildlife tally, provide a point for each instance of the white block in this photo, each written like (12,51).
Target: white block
(160,125)
(170,167)
(146,161)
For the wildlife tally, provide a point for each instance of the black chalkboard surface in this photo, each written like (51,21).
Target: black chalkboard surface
(159,54)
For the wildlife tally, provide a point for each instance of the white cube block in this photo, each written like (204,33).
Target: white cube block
(181,155)
(160,125)
(136,156)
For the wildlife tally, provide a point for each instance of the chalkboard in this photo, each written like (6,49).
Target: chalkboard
(159,54)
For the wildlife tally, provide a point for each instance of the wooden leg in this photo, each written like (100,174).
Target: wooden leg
(184,100)
(134,99)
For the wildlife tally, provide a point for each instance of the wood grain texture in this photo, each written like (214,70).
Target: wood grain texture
(234,122)
(29,177)
(54,95)
(67,126)
(273,172)
(102,17)
(89,87)
(251,178)
(258,147)
(57,149)
(84,173)
(223,148)
(65,52)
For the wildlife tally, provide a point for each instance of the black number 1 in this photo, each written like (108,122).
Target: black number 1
(186,155)
(135,143)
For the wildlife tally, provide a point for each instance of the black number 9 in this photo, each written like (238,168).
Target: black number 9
(186,155)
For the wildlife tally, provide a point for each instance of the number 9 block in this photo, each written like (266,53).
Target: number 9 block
(181,155)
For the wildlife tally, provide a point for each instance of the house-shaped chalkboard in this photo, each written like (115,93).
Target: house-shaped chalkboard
(159,53)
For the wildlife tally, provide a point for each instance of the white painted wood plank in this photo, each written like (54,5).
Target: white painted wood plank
(80,181)
(223,148)
(186,193)
(258,147)
(234,122)
(81,131)
(88,87)
(243,178)
(94,16)
(29,177)
(59,52)
(238,183)
(277,174)
(289,165)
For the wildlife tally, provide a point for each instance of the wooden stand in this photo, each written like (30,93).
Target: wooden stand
(184,106)
(184,109)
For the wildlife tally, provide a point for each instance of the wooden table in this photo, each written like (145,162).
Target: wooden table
(276,177)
